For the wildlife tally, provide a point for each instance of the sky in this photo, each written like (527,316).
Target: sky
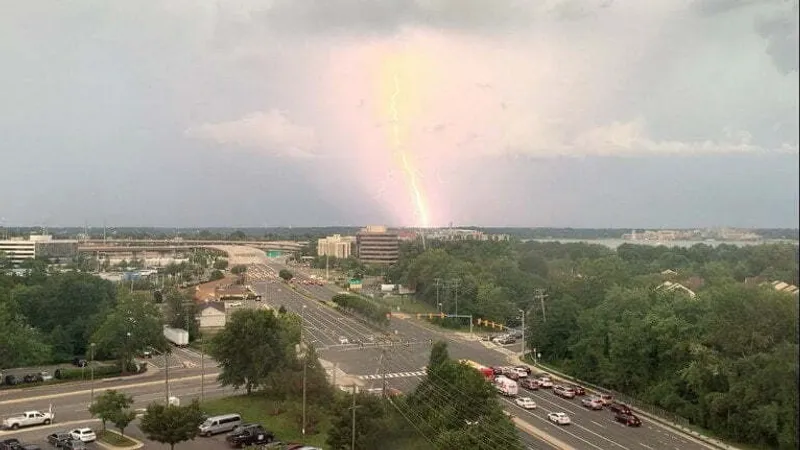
(550,113)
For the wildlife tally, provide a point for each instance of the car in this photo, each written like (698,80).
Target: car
(606,399)
(619,408)
(58,438)
(343,340)
(497,370)
(523,367)
(628,419)
(559,418)
(78,361)
(250,436)
(593,403)
(563,391)
(521,373)
(525,402)
(545,382)
(579,390)
(84,434)
(510,373)
(10,444)
(529,384)
(73,444)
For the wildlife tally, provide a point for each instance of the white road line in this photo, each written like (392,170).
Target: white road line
(645,445)
(599,425)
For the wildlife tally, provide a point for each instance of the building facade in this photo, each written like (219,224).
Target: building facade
(336,245)
(37,246)
(377,245)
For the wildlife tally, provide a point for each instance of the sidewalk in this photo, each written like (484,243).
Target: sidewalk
(691,434)
(337,376)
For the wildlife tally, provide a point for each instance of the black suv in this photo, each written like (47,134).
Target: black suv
(255,435)
(619,408)
(10,444)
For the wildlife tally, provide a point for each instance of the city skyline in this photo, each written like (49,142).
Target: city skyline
(570,113)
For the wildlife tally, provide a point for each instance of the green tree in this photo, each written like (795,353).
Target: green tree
(216,275)
(133,325)
(221,264)
(238,269)
(439,354)
(253,344)
(170,424)
(370,425)
(112,406)
(285,274)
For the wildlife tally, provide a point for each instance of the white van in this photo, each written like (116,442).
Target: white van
(220,424)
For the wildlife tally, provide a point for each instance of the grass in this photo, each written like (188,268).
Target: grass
(407,305)
(113,438)
(280,417)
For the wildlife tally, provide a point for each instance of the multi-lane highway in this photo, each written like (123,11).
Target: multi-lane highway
(366,358)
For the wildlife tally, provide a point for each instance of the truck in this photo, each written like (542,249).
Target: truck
(28,419)
(487,372)
(506,386)
(177,336)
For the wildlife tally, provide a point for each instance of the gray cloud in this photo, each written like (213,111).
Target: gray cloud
(714,7)
(783,42)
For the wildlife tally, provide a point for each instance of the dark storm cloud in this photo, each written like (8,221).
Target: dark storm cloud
(781,33)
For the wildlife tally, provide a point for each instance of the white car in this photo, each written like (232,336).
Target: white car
(558,418)
(525,402)
(343,340)
(545,382)
(522,373)
(83,434)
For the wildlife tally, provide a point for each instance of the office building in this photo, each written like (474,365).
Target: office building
(18,250)
(376,245)
(336,245)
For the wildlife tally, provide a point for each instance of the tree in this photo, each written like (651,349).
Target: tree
(113,406)
(439,354)
(216,275)
(238,269)
(221,264)
(133,325)
(370,426)
(285,274)
(253,344)
(170,424)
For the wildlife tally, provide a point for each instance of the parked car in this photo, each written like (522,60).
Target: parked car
(628,419)
(58,439)
(11,380)
(563,391)
(83,434)
(525,402)
(619,408)
(10,444)
(592,403)
(73,444)
(78,361)
(529,384)
(559,418)
(250,436)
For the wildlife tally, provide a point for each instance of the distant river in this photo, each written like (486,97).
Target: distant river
(614,243)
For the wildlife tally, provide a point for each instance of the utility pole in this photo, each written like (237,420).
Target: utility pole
(522,312)
(353,432)
(202,368)
(455,284)
(166,375)
(383,376)
(439,305)
(541,296)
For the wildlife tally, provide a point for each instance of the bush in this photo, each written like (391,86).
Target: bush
(216,275)
(363,307)
(77,374)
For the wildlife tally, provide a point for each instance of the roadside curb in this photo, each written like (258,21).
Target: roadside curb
(138,444)
(709,442)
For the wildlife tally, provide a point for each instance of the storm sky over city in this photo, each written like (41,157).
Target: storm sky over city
(573,113)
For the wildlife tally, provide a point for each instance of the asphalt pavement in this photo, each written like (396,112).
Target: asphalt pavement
(404,360)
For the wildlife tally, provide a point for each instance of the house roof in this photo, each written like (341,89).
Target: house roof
(669,286)
(219,306)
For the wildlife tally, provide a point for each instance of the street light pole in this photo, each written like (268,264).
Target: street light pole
(305,365)
(522,313)
(91,370)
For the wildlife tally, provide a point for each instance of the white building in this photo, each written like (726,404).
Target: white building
(212,315)
(336,245)
(37,245)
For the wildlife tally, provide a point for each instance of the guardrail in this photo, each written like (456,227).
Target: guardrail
(653,413)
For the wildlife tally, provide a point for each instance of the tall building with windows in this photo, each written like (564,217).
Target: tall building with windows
(336,245)
(18,250)
(377,245)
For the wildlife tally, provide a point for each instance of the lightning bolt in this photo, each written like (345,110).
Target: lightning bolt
(404,159)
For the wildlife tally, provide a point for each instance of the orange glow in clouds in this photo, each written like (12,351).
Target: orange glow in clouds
(393,68)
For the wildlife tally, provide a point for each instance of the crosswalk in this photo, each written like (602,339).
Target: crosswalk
(417,373)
